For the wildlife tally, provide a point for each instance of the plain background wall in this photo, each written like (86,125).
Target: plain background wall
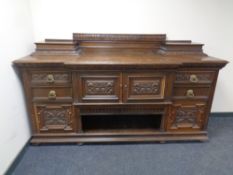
(16,40)
(206,21)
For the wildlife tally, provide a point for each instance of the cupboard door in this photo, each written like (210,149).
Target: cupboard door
(143,87)
(183,117)
(54,118)
(97,87)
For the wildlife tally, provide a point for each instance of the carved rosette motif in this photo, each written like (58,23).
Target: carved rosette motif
(54,118)
(186,77)
(102,87)
(146,87)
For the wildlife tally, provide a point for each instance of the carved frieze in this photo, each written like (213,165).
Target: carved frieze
(118,37)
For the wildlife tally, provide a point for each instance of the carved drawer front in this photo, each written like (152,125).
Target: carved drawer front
(143,87)
(50,78)
(100,87)
(54,118)
(191,92)
(52,94)
(186,117)
(194,77)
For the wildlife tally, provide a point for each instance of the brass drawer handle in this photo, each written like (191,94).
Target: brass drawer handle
(52,95)
(190,93)
(50,78)
(193,78)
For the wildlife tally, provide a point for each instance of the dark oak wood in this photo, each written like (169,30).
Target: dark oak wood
(118,88)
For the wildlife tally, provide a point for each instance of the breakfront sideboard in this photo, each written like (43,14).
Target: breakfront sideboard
(118,88)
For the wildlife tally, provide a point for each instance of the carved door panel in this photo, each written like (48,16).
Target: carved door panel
(143,87)
(100,87)
(54,118)
(186,117)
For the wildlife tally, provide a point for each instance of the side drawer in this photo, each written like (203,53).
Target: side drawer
(50,78)
(195,77)
(54,118)
(52,94)
(191,92)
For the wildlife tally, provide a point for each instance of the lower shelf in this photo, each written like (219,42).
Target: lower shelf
(123,123)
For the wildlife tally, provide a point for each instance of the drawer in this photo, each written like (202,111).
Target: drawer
(99,87)
(195,77)
(50,78)
(54,118)
(191,92)
(187,117)
(52,94)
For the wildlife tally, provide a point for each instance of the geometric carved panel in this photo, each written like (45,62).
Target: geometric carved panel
(54,118)
(186,117)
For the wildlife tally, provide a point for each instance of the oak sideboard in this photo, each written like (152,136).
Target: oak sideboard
(118,88)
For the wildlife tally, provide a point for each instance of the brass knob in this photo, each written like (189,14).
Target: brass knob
(190,93)
(50,78)
(52,95)
(193,78)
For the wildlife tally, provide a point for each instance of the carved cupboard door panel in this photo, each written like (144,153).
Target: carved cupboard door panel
(54,118)
(99,87)
(143,86)
(186,117)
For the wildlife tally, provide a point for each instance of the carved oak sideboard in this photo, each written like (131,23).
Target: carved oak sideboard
(118,88)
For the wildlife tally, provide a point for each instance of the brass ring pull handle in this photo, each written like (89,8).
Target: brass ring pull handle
(50,78)
(52,95)
(193,78)
(190,93)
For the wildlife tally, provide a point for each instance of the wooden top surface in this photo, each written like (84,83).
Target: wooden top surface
(125,57)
